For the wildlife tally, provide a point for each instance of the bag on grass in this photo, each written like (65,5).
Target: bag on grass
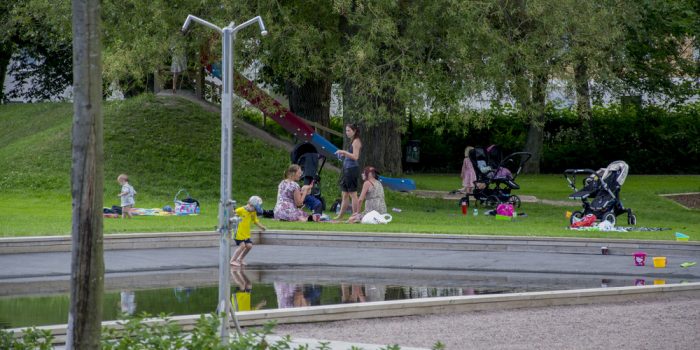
(117,209)
(505,209)
(187,205)
(373,217)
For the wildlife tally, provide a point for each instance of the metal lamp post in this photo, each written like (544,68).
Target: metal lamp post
(227,206)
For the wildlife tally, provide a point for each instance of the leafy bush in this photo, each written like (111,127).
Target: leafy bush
(652,140)
(138,332)
(31,339)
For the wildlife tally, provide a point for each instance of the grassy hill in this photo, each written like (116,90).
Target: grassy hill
(164,144)
(167,143)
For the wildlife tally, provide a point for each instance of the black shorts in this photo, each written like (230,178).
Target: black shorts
(239,241)
(350,179)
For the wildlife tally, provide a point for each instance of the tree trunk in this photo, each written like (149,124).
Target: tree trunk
(311,101)
(583,90)
(87,264)
(381,147)
(535,133)
(5,56)
(381,140)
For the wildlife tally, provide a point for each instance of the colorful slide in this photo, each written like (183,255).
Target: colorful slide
(296,125)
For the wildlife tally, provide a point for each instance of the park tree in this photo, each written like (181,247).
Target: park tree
(519,47)
(593,32)
(298,56)
(659,54)
(403,58)
(36,36)
(140,38)
(310,47)
(519,44)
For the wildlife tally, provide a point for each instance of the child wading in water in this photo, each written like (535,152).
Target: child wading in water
(127,195)
(248,215)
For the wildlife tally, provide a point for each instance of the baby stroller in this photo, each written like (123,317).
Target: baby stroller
(603,188)
(311,162)
(495,177)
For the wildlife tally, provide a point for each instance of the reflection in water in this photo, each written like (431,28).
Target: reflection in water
(312,294)
(352,293)
(375,292)
(21,311)
(428,292)
(182,294)
(127,302)
(242,294)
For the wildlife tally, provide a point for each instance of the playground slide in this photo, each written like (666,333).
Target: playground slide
(297,126)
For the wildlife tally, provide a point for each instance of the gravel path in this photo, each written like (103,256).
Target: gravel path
(669,324)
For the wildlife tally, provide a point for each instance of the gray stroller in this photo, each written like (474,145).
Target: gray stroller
(603,188)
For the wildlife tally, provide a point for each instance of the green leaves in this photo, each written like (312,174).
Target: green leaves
(31,339)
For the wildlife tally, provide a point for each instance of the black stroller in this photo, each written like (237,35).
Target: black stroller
(311,162)
(495,177)
(603,187)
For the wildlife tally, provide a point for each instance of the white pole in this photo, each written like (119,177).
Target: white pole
(227,206)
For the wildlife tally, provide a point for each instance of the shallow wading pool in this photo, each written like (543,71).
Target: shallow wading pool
(188,292)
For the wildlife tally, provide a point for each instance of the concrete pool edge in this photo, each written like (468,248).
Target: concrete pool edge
(436,305)
(200,239)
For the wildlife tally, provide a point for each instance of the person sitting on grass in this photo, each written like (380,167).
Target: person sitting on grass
(248,215)
(291,197)
(372,195)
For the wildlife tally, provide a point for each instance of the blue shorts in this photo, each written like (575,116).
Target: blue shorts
(313,203)
(239,241)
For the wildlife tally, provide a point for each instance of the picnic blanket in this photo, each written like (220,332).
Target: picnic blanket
(150,212)
(619,229)
(107,213)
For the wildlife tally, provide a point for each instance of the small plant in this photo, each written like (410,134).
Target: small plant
(142,332)
(31,338)
(138,332)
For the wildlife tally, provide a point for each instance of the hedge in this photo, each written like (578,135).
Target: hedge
(651,139)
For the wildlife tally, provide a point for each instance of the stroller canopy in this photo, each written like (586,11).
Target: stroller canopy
(306,155)
(617,167)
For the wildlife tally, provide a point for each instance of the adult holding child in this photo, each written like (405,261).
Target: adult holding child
(372,195)
(351,171)
(290,197)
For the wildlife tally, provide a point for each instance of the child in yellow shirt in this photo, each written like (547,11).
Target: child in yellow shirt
(248,215)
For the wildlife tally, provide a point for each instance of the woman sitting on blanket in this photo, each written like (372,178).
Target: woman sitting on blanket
(372,195)
(290,197)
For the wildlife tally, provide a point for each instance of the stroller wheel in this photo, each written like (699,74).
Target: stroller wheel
(491,201)
(575,217)
(610,217)
(514,200)
(631,218)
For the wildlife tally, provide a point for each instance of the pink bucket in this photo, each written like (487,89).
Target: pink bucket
(640,258)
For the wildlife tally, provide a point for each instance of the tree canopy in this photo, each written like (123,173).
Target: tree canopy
(398,58)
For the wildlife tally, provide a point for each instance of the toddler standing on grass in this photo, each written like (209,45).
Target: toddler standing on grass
(248,215)
(127,195)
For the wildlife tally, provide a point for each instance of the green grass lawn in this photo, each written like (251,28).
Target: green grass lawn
(165,144)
